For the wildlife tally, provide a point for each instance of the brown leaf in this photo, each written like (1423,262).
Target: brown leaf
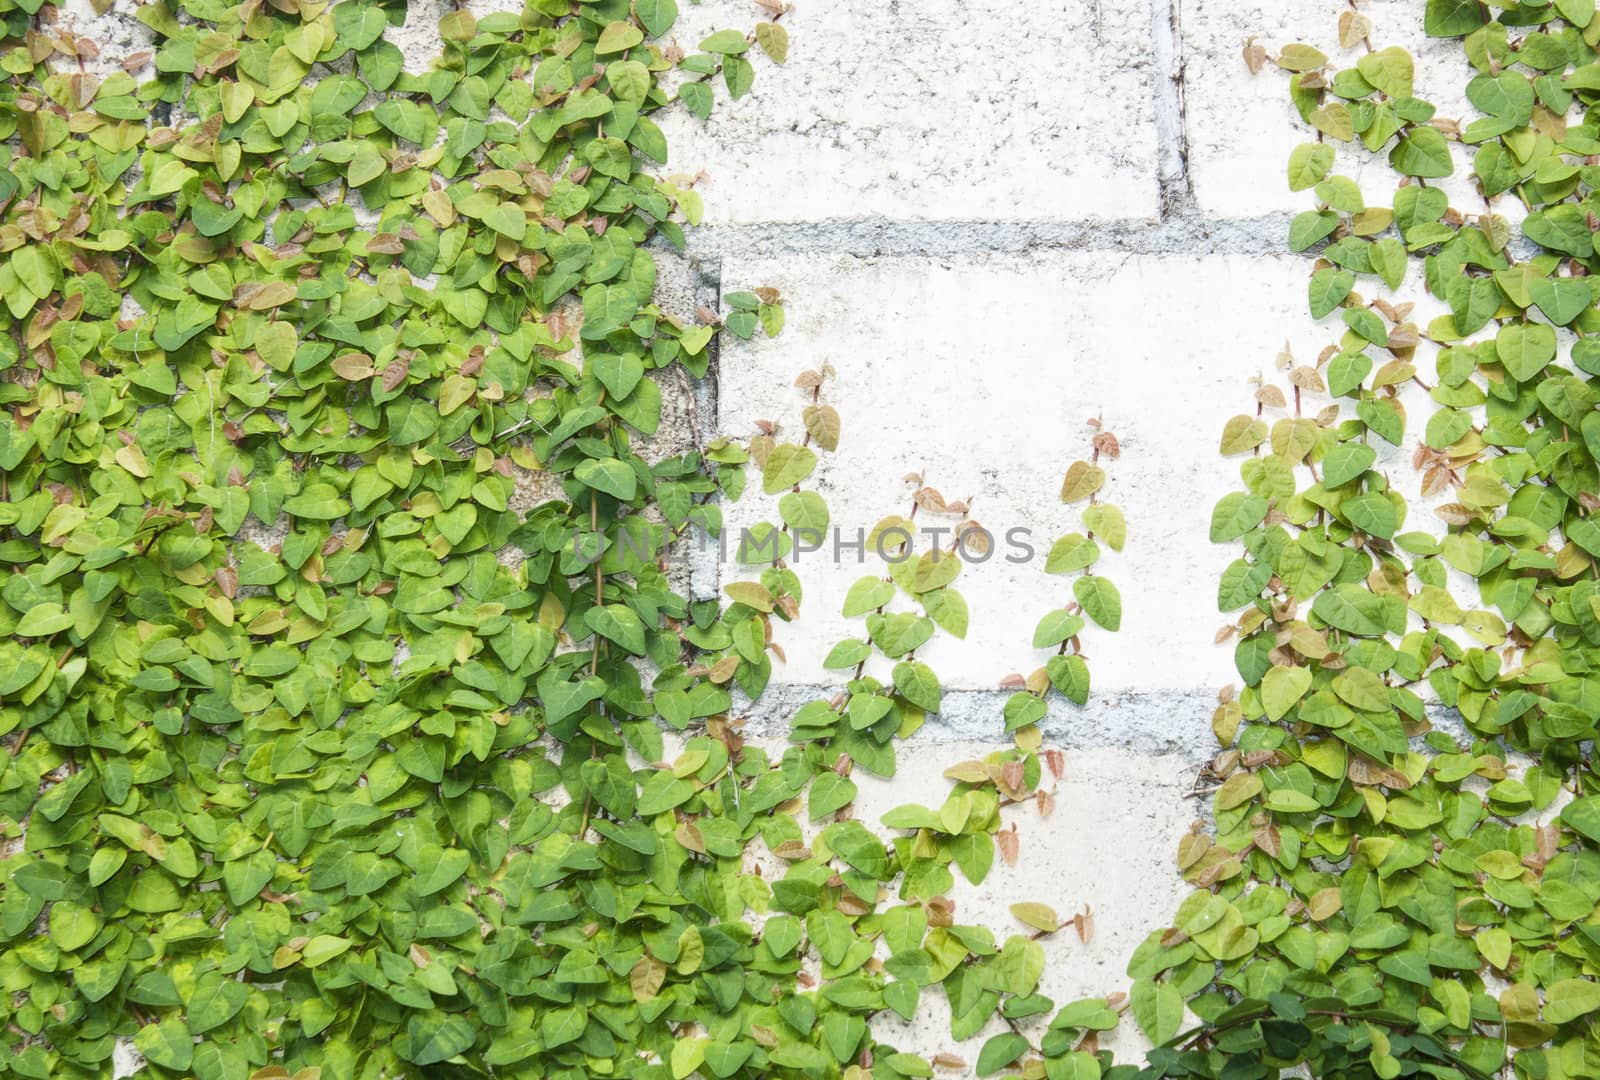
(1325,903)
(822,423)
(792,851)
(929,499)
(1307,377)
(353,367)
(646,978)
(1083,923)
(1272,397)
(1353,29)
(1009,845)
(396,373)
(1255,57)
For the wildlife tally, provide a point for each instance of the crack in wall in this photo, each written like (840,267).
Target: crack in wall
(1172,138)
(705,576)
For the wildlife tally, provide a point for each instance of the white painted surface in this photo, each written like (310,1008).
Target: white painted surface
(985,109)
(1242,127)
(1108,848)
(980,374)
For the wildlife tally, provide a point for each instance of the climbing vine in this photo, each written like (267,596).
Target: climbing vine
(355,720)
(1404,870)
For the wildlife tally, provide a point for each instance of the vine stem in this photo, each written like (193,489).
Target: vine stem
(599,580)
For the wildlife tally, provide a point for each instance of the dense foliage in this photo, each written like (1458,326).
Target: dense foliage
(342,632)
(1382,897)
(356,724)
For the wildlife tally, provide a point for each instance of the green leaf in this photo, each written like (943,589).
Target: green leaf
(618,623)
(608,475)
(774,41)
(167,1044)
(1071,553)
(1106,521)
(42,620)
(441,871)
(1056,627)
(1310,228)
(867,594)
(434,1037)
(656,15)
(1282,688)
(1157,1008)
(1561,299)
(1583,817)
(829,794)
(1569,999)
(786,465)
(1101,601)
(1390,70)
(1329,287)
(1308,164)
(1070,676)
(1000,1051)
(1372,513)
(1078,1065)
(1346,462)
(215,1001)
(72,926)
(1290,801)
(1235,514)
(1452,18)
(1422,152)
(726,42)
(1525,349)
(618,37)
(917,683)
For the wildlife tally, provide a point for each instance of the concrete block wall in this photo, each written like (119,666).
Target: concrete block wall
(995,221)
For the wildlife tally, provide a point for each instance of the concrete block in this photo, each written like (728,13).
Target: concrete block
(981,374)
(978,110)
(1108,849)
(1240,127)
(116,32)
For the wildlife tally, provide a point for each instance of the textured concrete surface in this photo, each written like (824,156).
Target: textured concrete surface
(983,109)
(980,374)
(1088,856)
(1242,127)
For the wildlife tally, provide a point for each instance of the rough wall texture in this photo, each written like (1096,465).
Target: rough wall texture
(995,220)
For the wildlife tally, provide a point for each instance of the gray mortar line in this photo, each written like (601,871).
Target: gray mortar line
(1152,722)
(705,576)
(1172,134)
(1181,232)
(1142,721)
